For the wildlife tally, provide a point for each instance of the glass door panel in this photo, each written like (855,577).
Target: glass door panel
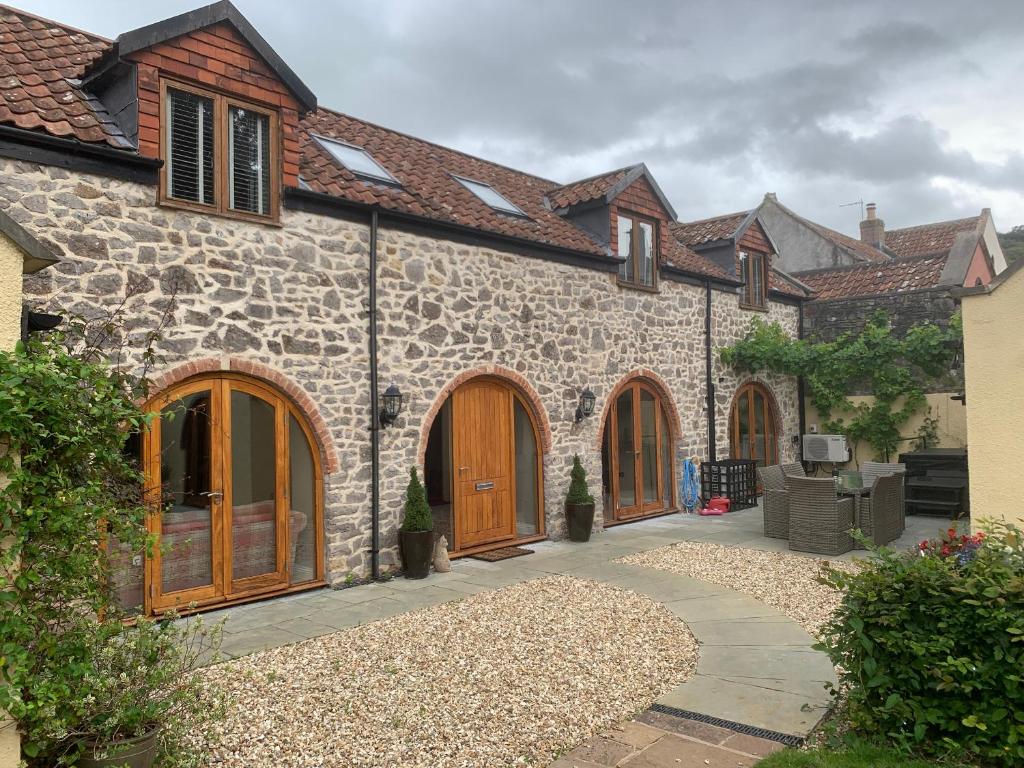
(302,512)
(185,562)
(254,488)
(649,446)
(743,429)
(760,444)
(626,450)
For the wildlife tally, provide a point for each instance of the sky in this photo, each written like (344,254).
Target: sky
(912,105)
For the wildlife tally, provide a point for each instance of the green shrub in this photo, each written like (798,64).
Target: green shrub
(930,646)
(417,511)
(579,493)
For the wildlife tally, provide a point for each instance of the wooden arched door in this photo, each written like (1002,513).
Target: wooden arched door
(637,455)
(752,428)
(233,465)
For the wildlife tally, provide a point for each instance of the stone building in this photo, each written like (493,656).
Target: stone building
(186,167)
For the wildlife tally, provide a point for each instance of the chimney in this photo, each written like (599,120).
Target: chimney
(872,229)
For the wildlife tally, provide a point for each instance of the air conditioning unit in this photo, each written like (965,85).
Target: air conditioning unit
(827,448)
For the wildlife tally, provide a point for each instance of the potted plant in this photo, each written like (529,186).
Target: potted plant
(140,687)
(416,537)
(579,504)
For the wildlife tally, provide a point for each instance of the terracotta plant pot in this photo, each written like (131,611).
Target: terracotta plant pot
(137,752)
(417,552)
(580,518)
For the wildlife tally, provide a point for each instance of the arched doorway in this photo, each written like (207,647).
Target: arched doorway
(753,430)
(233,464)
(483,468)
(638,476)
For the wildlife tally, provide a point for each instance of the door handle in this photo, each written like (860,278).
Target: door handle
(218,495)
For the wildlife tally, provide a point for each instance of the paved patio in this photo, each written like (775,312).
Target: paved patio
(757,667)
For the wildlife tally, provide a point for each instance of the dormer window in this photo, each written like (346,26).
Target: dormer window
(219,154)
(357,160)
(637,245)
(491,196)
(753,273)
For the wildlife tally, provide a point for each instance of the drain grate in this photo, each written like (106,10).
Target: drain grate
(749,730)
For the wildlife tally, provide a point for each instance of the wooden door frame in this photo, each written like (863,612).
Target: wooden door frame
(640,509)
(220,384)
(517,396)
(771,453)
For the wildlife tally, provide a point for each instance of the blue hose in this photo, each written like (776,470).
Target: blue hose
(691,486)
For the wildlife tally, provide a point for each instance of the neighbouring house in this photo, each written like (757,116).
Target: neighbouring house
(187,165)
(912,274)
(20,254)
(994,378)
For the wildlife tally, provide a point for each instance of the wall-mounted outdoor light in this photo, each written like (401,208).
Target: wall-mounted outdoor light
(586,407)
(391,405)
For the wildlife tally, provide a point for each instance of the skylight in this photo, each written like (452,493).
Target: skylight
(491,196)
(356,159)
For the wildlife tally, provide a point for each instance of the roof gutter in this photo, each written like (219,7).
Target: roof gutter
(35,147)
(320,202)
(681,275)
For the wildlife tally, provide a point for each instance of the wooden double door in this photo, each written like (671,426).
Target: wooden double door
(232,465)
(637,454)
(752,428)
(495,466)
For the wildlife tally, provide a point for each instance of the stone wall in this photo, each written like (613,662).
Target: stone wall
(293,298)
(827,320)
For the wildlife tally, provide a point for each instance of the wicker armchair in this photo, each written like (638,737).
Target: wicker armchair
(819,521)
(879,514)
(870,470)
(775,501)
(795,468)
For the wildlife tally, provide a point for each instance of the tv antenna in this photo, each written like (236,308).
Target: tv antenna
(855,202)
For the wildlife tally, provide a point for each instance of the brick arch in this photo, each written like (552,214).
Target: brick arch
(658,384)
(529,394)
(773,407)
(293,391)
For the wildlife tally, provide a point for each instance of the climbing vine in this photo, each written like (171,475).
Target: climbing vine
(896,371)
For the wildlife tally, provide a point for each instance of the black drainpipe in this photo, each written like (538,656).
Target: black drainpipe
(800,384)
(374,410)
(710,382)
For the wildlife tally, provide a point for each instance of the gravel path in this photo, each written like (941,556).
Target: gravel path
(784,581)
(509,677)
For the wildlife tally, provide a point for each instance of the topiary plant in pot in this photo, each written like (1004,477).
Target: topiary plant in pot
(416,537)
(579,504)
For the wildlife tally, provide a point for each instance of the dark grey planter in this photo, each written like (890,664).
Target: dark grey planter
(580,519)
(137,752)
(417,552)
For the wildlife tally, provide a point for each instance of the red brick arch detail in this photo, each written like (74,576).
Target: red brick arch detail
(540,417)
(293,391)
(659,385)
(773,406)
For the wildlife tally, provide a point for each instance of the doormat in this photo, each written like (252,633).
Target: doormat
(505,553)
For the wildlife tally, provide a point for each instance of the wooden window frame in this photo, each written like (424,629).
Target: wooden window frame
(222,103)
(637,219)
(771,423)
(225,589)
(747,298)
(640,509)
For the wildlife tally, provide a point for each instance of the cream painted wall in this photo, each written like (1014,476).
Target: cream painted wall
(994,372)
(11,260)
(952,426)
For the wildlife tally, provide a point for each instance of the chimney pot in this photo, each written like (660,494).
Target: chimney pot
(872,229)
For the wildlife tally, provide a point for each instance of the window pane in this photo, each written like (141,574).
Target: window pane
(649,446)
(190,147)
(186,559)
(758,284)
(490,195)
(743,414)
(302,515)
(645,252)
(356,159)
(667,459)
(526,473)
(253,487)
(627,455)
(249,155)
(759,436)
(625,234)
(745,276)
